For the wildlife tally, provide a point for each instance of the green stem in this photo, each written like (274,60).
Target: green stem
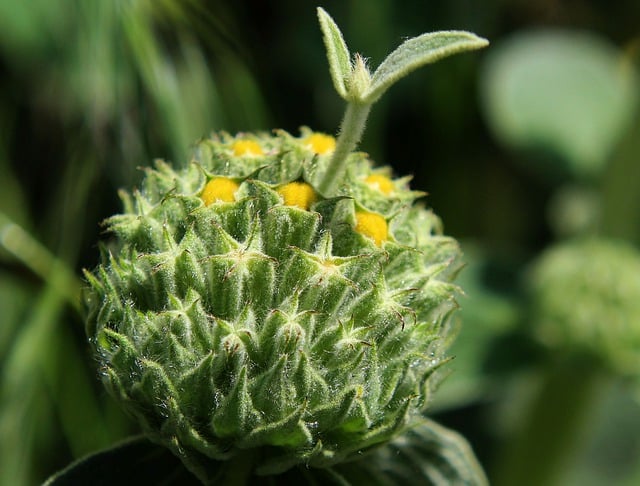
(351,129)
(542,448)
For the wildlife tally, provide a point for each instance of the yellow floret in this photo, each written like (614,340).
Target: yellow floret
(249,148)
(219,189)
(372,225)
(381,183)
(299,194)
(320,143)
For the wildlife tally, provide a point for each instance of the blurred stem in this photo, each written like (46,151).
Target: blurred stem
(634,478)
(37,258)
(69,383)
(621,190)
(552,427)
(23,406)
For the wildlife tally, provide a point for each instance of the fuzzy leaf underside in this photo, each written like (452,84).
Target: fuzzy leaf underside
(427,454)
(416,52)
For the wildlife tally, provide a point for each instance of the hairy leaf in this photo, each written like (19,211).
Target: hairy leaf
(416,52)
(337,52)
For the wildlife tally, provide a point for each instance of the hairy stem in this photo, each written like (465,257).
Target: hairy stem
(351,129)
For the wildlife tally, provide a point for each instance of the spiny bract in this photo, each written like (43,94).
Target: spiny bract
(241,309)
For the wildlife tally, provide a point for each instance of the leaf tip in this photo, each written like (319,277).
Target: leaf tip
(337,51)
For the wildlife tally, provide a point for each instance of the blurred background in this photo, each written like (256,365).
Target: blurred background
(528,149)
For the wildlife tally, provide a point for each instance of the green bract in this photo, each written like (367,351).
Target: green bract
(257,325)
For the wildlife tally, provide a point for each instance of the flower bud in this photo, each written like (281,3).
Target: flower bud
(585,300)
(238,310)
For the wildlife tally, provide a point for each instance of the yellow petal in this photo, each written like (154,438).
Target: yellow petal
(219,189)
(373,226)
(249,148)
(320,143)
(299,194)
(381,183)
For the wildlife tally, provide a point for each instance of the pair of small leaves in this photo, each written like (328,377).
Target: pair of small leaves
(353,81)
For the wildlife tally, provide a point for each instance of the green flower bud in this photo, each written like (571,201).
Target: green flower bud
(359,80)
(585,301)
(239,312)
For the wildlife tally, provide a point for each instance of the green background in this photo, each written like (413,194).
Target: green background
(524,144)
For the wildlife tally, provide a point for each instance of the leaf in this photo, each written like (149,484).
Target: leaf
(416,52)
(337,52)
(135,461)
(427,454)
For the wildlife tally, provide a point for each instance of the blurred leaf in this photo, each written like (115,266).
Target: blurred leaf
(24,405)
(611,445)
(550,424)
(27,28)
(425,455)
(26,249)
(159,77)
(12,197)
(135,461)
(44,382)
(566,91)
(489,312)
(14,298)
(244,105)
(70,379)
(134,70)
